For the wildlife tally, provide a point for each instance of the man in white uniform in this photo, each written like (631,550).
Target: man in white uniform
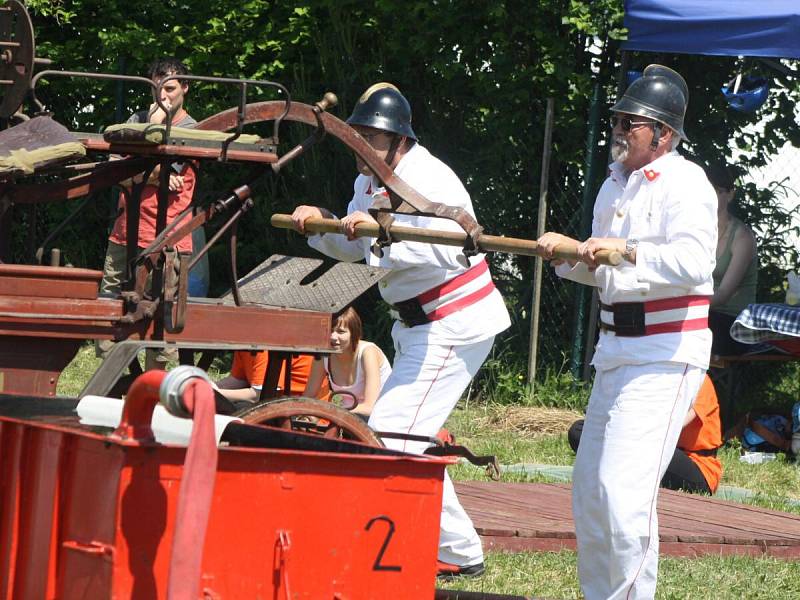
(658,209)
(447,314)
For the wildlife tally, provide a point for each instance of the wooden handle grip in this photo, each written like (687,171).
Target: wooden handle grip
(490,243)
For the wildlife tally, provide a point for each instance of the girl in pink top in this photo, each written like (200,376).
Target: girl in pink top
(360,368)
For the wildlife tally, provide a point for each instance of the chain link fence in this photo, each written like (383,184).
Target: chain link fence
(781,176)
(563,304)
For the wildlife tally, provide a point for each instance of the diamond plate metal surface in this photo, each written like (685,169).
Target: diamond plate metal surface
(291,282)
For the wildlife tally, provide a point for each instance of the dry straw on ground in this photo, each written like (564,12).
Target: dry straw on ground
(531,421)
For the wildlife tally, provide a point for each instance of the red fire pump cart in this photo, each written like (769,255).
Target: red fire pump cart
(86,515)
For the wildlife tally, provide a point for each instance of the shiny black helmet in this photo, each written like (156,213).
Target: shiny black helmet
(660,94)
(382,106)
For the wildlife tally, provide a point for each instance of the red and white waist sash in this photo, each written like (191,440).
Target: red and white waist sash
(668,315)
(466,289)
(458,293)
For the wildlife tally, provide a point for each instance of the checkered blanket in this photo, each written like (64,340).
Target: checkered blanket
(766,322)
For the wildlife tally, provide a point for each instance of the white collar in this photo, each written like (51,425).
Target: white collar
(618,170)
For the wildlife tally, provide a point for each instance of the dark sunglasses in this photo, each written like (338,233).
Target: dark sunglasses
(369,137)
(627,124)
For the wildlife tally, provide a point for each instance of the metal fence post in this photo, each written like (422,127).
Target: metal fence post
(587,202)
(540,229)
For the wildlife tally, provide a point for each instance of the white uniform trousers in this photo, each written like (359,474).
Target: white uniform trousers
(632,426)
(426,382)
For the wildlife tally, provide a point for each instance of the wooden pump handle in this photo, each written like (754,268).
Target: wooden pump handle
(489,243)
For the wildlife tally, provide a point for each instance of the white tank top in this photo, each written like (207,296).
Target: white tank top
(359,381)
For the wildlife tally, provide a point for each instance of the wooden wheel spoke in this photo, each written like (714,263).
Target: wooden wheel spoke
(310,415)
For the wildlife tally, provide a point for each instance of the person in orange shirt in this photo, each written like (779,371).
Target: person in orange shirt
(694,466)
(250,368)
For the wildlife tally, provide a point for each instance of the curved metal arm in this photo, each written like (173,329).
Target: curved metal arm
(328,101)
(403,198)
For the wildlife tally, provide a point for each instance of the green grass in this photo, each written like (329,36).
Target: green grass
(776,483)
(78,372)
(509,446)
(503,382)
(554,575)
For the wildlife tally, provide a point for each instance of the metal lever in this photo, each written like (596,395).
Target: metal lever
(329,100)
(442,448)
(488,461)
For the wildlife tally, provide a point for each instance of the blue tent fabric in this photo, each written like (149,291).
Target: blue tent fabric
(722,27)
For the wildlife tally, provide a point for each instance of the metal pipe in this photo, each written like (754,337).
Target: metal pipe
(235,217)
(137,412)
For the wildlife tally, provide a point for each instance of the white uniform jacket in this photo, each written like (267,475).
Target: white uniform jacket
(418,267)
(671,208)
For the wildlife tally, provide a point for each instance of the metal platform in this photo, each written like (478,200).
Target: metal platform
(306,283)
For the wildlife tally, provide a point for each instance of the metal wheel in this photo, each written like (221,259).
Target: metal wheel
(17,56)
(312,416)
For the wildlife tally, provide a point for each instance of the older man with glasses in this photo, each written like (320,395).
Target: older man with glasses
(659,211)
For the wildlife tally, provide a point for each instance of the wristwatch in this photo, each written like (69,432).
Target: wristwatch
(630,247)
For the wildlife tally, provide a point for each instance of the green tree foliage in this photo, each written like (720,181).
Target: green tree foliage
(477,75)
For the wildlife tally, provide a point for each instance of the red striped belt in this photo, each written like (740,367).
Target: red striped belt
(449,297)
(667,315)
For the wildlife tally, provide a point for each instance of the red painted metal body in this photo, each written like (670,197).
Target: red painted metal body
(47,312)
(36,281)
(90,516)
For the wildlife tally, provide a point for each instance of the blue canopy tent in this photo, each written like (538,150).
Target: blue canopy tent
(770,28)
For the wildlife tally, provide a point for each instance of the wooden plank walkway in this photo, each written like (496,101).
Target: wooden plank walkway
(519,517)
